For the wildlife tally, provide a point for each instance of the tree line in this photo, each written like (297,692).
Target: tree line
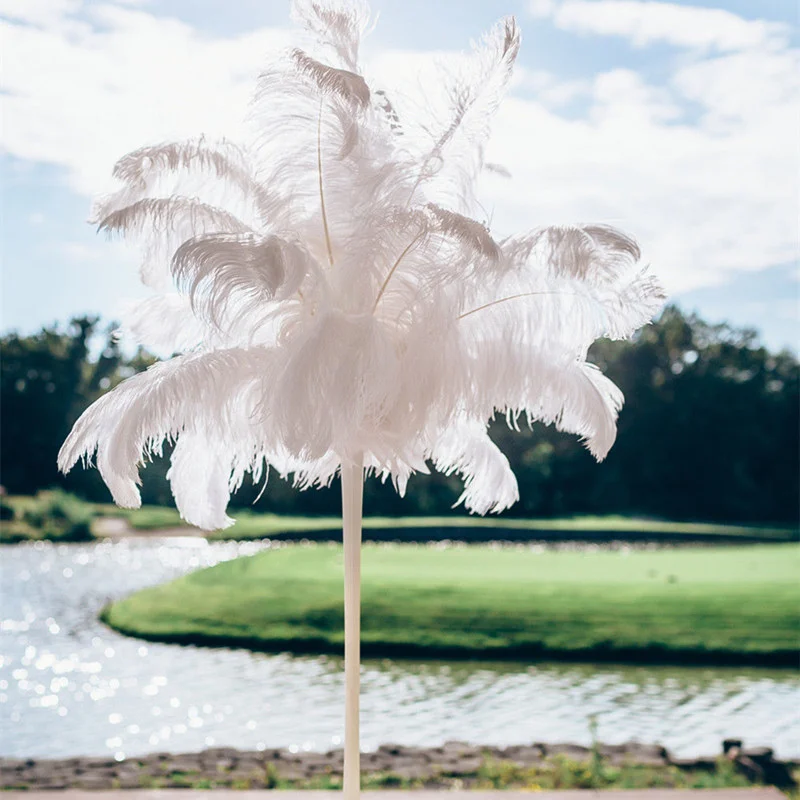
(709,431)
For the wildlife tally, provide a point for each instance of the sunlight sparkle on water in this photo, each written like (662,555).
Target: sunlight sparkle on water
(70,686)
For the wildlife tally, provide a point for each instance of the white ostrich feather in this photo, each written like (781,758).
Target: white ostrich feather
(334,299)
(348,85)
(164,323)
(217,269)
(489,483)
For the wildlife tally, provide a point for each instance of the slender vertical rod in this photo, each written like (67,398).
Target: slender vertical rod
(352,497)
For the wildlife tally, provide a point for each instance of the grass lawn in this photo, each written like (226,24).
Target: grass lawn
(723,605)
(251,525)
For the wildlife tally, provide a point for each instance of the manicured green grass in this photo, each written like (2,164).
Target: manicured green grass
(251,525)
(732,604)
(150,518)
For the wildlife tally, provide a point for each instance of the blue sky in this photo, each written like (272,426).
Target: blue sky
(679,122)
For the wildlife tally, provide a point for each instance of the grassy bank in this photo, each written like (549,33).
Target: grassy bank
(251,525)
(454,766)
(259,526)
(492,776)
(692,605)
(44,517)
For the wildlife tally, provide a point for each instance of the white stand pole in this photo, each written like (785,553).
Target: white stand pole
(352,497)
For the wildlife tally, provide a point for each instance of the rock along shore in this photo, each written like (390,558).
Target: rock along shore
(393,764)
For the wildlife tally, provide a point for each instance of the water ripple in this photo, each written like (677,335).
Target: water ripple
(70,686)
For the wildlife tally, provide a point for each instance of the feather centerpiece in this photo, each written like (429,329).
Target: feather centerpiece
(337,308)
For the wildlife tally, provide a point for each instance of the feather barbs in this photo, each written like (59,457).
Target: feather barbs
(348,85)
(337,298)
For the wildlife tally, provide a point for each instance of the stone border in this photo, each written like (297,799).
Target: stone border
(231,768)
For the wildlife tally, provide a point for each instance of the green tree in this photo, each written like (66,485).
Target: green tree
(709,431)
(47,379)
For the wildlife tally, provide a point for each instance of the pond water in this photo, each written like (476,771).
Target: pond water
(70,686)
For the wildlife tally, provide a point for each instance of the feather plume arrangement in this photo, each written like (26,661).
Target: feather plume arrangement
(334,300)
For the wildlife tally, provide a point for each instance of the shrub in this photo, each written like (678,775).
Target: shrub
(52,514)
(6,511)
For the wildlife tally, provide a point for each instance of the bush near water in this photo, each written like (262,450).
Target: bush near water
(54,515)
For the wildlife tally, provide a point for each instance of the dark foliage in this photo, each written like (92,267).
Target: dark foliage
(46,381)
(709,432)
(53,514)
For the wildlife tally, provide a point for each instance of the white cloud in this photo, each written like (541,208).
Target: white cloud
(549,88)
(701,168)
(82,94)
(705,198)
(38,12)
(647,21)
